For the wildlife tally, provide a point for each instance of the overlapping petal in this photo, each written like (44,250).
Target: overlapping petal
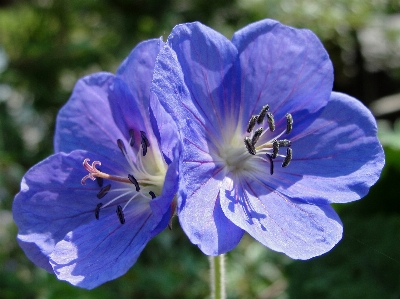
(165,129)
(130,94)
(207,60)
(86,122)
(137,71)
(200,213)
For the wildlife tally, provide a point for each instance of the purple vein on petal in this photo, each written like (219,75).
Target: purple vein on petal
(270,66)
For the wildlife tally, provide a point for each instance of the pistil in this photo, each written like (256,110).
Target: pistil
(95,173)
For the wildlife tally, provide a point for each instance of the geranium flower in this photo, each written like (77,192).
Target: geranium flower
(266,145)
(86,212)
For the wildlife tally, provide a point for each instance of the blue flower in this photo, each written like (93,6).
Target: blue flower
(266,145)
(86,212)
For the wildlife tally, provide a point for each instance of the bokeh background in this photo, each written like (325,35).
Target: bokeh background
(46,45)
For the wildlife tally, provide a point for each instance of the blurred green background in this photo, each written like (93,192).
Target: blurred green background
(46,45)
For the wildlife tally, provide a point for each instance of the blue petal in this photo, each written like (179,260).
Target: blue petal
(86,122)
(51,192)
(102,250)
(137,70)
(164,128)
(37,255)
(128,115)
(199,212)
(206,90)
(284,67)
(299,229)
(130,95)
(337,158)
(163,205)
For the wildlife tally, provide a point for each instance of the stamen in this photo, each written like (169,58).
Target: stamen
(116,198)
(288,157)
(144,137)
(250,147)
(153,195)
(129,201)
(103,191)
(132,137)
(97,210)
(120,214)
(144,148)
(145,142)
(275,149)
(121,146)
(289,123)
(256,136)
(134,181)
(100,181)
(284,143)
(271,164)
(271,121)
(252,123)
(262,114)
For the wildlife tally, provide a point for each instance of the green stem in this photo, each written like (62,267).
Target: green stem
(217,277)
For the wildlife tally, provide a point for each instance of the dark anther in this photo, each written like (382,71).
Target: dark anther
(132,137)
(99,180)
(284,143)
(275,148)
(250,147)
(144,148)
(97,211)
(288,157)
(121,146)
(134,181)
(153,195)
(289,123)
(262,114)
(271,164)
(145,142)
(120,214)
(103,191)
(256,136)
(271,121)
(252,123)
(144,138)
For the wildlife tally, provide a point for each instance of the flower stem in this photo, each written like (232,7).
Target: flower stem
(217,276)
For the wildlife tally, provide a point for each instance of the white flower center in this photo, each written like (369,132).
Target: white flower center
(241,153)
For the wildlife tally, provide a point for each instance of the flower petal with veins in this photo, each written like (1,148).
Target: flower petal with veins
(274,177)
